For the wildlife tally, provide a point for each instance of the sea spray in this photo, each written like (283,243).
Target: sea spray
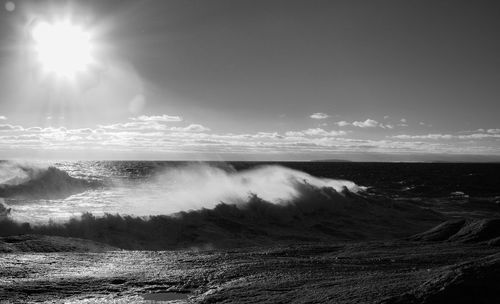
(56,195)
(16,172)
(199,186)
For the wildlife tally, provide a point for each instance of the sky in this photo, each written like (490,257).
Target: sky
(254,80)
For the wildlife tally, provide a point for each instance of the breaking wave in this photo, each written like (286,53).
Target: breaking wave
(42,193)
(201,205)
(39,182)
(198,186)
(316,215)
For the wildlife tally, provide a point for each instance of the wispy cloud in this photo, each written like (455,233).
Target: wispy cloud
(369,123)
(190,128)
(3,117)
(315,132)
(319,115)
(144,123)
(342,123)
(163,118)
(135,126)
(158,136)
(8,127)
(437,136)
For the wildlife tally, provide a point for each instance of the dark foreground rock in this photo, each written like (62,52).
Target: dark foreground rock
(470,282)
(463,231)
(366,272)
(478,231)
(441,232)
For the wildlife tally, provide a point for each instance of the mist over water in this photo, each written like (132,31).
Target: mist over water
(13,173)
(204,186)
(157,190)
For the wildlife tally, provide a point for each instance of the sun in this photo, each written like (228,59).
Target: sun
(62,48)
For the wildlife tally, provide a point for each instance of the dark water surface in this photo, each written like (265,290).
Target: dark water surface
(409,179)
(418,179)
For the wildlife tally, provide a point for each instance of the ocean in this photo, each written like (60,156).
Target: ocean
(243,202)
(141,188)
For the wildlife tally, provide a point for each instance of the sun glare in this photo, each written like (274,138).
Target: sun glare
(62,48)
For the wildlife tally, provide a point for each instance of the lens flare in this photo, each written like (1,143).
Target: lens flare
(62,48)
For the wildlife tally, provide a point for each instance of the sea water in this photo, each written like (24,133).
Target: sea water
(35,193)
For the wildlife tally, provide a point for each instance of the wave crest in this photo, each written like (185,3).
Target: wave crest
(199,186)
(317,214)
(36,182)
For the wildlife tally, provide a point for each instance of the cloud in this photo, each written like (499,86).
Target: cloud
(322,132)
(369,123)
(34,129)
(315,132)
(267,135)
(426,136)
(3,117)
(403,120)
(437,136)
(135,126)
(493,131)
(152,136)
(154,122)
(342,123)
(319,115)
(7,127)
(163,118)
(190,128)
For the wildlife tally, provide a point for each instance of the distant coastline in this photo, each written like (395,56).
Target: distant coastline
(331,161)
